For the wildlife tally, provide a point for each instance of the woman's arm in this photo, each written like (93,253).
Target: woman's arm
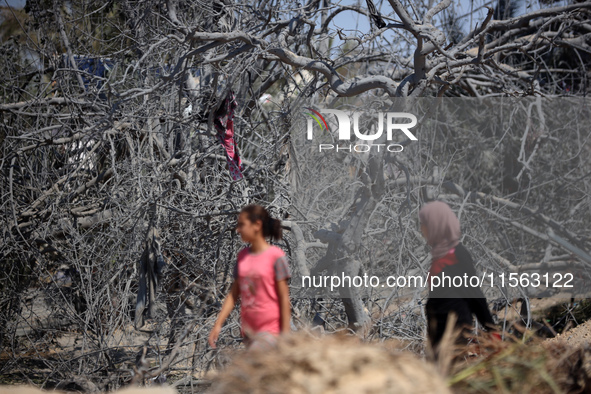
(227,307)
(284,305)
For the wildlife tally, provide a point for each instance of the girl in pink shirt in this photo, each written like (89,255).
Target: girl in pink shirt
(260,280)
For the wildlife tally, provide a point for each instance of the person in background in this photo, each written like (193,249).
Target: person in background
(260,281)
(441,228)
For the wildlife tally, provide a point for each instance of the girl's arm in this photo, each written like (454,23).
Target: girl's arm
(284,305)
(227,307)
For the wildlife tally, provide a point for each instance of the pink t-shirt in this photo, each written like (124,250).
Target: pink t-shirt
(257,276)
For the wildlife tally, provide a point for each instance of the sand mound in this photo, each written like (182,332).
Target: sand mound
(577,336)
(303,364)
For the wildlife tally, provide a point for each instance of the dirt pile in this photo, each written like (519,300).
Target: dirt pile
(303,364)
(577,336)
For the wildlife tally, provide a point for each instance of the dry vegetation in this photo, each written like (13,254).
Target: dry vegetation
(107,137)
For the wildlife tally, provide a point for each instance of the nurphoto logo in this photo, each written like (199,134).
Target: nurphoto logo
(396,122)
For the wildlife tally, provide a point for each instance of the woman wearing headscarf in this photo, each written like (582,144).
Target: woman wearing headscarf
(441,228)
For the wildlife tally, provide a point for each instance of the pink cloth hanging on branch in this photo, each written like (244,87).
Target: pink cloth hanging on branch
(224,125)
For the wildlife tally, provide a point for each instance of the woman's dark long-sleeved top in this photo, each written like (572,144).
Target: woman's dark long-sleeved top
(464,300)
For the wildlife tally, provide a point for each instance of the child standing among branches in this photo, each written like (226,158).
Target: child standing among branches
(260,280)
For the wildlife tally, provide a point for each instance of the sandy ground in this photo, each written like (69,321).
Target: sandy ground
(302,363)
(577,336)
(377,364)
(538,307)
